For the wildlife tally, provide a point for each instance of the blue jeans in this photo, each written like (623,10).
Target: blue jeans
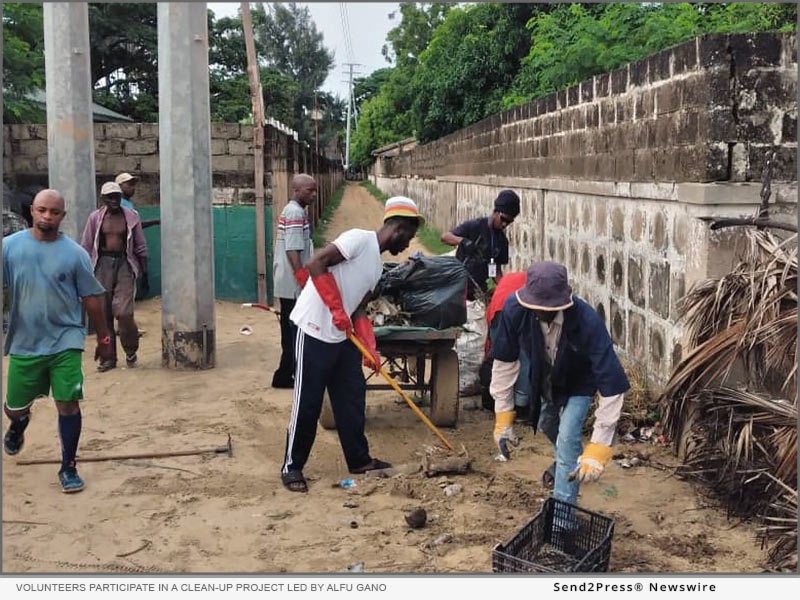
(564,432)
(522,389)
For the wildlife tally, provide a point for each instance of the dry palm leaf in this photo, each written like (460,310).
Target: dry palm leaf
(741,442)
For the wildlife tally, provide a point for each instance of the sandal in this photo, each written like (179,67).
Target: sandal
(106,366)
(294,481)
(372,465)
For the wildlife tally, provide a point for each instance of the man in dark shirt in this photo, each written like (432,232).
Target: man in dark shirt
(570,359)
(482,242)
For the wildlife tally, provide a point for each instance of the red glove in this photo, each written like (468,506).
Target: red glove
(301,275)
(332,297)
(366,336)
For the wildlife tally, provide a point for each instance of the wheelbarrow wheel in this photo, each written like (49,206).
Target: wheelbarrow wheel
(326,416)
(444,389)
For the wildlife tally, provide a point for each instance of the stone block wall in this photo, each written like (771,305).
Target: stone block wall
(133,148)
(285,157)
(614,175)
(705,110)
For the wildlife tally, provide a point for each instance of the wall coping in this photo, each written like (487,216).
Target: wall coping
(717,193)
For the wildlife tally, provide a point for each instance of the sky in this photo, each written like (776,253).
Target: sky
(368,25)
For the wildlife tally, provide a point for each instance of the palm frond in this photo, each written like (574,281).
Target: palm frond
(732,402)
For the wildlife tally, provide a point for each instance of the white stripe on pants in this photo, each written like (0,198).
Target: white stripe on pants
(298,383)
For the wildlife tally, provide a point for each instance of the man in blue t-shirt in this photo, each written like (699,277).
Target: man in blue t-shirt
(482,242)
(50,281)
(127,184)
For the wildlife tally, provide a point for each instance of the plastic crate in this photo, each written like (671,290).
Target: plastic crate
(562,538)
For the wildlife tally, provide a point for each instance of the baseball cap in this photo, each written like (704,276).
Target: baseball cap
(123,177)
(109,187)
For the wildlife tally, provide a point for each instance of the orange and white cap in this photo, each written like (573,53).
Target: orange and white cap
(400,206)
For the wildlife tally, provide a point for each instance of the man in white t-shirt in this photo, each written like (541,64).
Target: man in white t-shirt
(343,274)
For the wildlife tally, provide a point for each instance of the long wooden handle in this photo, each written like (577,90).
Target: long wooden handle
(228,449)
(84,459)
(400,391)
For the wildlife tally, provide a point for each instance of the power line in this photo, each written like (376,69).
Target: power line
(349,112)
(346,31)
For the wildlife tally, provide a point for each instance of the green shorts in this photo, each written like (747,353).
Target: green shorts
(31,377)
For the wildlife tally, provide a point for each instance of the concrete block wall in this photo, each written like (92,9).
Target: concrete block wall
(614,175)
(133,147)
(704,111)
(283,158)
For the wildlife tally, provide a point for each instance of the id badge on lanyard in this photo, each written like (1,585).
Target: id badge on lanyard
(492,264)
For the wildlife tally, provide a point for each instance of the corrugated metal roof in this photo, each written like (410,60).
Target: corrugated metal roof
(100,114)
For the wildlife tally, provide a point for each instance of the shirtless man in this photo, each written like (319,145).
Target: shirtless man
(115,242)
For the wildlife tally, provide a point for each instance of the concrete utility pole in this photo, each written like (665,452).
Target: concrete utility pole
(187,241)
(349,106)
(257,100)
(70,132)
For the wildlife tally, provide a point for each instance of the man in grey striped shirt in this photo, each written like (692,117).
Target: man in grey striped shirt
(292,250)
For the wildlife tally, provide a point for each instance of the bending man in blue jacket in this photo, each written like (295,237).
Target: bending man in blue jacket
(572,357)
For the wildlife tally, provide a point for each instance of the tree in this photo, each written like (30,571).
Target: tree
(367,87)
(575,41)
(292,67)
(376,128)
(23,60)
(124,52)
(124,58)
(406,42)
(331,126)
(230,96)
(387,116)
(470,63)
(292,43)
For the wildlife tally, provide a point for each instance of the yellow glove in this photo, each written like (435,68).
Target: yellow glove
(504,433)
(592,462)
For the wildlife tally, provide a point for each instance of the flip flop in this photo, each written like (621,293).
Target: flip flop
(372,465)
(294,481)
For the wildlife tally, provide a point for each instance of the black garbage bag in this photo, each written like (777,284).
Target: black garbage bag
(431,289)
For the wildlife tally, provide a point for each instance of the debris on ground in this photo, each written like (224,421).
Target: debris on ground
(435,464)
(417,518)
(453,489)
(403,488)
(627,463)
(645,435)
(445,538)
